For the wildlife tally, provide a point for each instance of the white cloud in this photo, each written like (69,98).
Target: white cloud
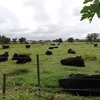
(44,19)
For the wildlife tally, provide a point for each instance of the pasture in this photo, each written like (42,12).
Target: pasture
(51,70)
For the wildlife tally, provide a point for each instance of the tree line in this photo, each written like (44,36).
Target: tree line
(92,37)
(6,40)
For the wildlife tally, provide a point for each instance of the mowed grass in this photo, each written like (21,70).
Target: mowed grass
(51,70)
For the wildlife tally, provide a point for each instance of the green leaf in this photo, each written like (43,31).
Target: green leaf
(96,1)
(88,12)
(87,1)
(98,14)
(98,10)
(85,9)
(89,16)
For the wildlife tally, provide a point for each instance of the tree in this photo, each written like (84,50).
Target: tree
(88,12)
(7,40)
(92,37)
(14,40)
(89,38)
(58,40)
(4,39)
(22,40)
(70,39)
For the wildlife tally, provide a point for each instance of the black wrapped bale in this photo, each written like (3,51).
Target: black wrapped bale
(81,84)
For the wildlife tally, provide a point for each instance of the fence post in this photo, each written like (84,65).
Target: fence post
(4,83)
(38,70)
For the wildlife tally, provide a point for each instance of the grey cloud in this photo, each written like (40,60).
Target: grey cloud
(15,29)
(8,20)
(7,16)
(39,11)
(76,11)
(43,23)
(47,29)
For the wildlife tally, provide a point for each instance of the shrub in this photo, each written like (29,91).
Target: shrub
(90,57)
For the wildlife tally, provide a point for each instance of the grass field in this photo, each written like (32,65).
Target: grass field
(22,78)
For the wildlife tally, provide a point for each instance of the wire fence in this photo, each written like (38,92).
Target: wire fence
(4,86)
(4,77)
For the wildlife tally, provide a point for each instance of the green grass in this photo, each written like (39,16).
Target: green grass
(51,70)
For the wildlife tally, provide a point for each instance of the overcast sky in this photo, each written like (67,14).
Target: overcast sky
(45,19)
